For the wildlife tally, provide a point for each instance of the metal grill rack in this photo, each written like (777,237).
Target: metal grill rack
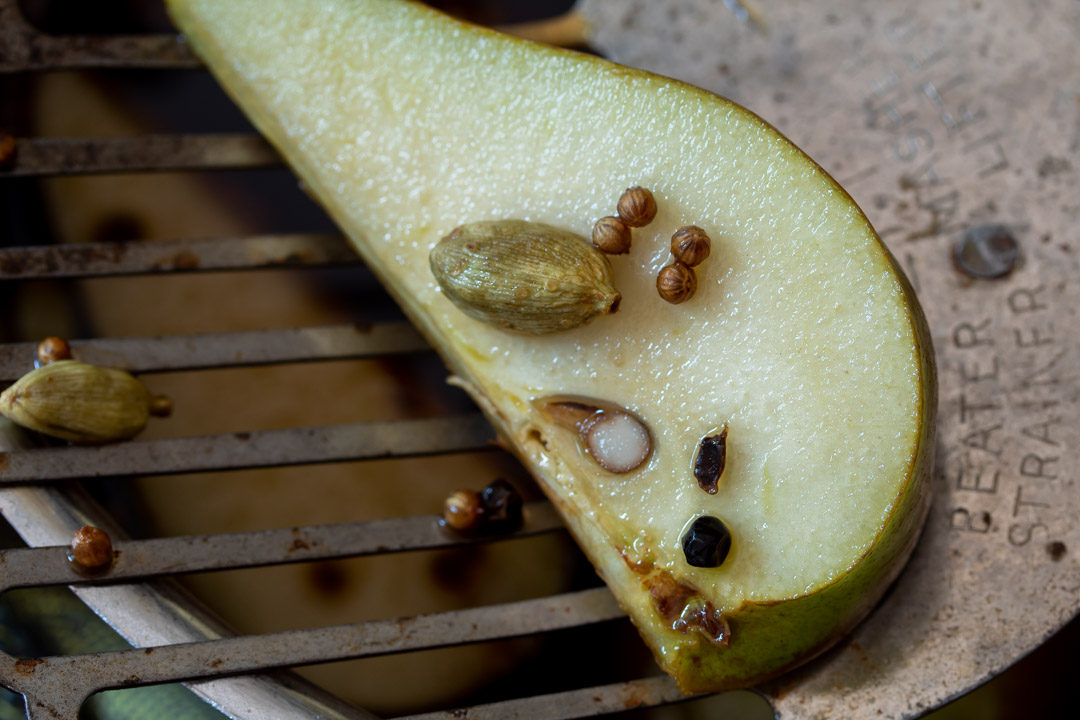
(942,606)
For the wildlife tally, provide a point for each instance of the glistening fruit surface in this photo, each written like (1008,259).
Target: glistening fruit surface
(800,339)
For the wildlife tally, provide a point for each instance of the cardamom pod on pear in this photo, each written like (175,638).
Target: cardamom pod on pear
(79,402)
(524,276)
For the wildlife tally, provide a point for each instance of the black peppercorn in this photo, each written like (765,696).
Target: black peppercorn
(707,542)
(502,507)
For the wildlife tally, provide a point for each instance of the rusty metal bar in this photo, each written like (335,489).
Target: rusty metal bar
(23,48)
(586,702)
(44,157)
(168,256)
(59,685)
(214,350)
(28,567)
(234,451)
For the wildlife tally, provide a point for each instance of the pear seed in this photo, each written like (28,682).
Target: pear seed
(615,438)
(710,460)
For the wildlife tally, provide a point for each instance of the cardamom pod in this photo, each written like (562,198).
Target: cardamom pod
(524,276)
(76,401)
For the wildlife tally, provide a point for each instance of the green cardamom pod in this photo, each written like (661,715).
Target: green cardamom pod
(76,401)
(524,276)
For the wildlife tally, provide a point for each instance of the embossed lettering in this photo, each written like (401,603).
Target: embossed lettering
(980,440)
(1024,300)
(965,335)
(1037,338)
(964,521)
(969,411)
(1035,466)
(1020,535)
(1041,431)
(973,374)
(964,481)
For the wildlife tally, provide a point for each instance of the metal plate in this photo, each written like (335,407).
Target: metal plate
(954,125)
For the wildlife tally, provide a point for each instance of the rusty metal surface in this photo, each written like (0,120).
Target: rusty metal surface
(231,349)
(59,685)
(30,567)
(235,451)
(24,49)
(941,119)
(168,256)
(44,157)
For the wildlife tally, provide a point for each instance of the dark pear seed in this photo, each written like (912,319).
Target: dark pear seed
(706,543)
(709,463)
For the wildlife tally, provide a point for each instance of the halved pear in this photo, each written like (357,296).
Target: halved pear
(804,339)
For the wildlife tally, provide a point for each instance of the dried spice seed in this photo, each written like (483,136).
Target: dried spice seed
(690,245)
(524,276)
(502,507)
(52,349)
(91,549)
(463,510)
(709,462)
(611,235)
(161,406)
(79,402)
(676,283)
(637,207)
(706,543)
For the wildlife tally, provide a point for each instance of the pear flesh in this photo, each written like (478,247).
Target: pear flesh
(804,339)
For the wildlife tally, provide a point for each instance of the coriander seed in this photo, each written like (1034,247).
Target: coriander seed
(91,549)
(690,245)
(611,235)
(676,283)
(52,349)
(463,510)
(637,207)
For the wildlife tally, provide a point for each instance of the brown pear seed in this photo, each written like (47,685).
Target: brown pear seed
(690,245)
(611,235)
(676,283)
(637,207)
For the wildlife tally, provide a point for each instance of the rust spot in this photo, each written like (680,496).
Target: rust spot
(635,699)
(27,666)
(299,543)
(183,260)
(1056,550)
(148,651)
(5,458)
(217,663)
